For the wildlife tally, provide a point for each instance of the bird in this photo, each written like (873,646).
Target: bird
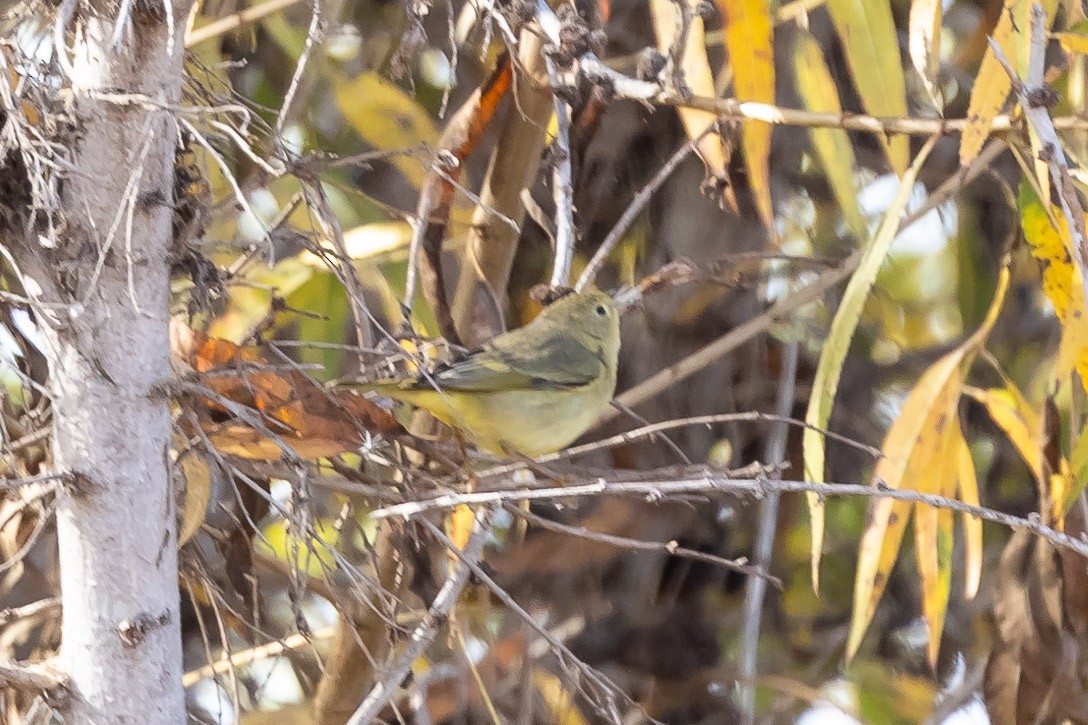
(530,391)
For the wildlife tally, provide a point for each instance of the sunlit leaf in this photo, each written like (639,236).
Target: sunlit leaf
(1074,42)
(918,454)
(868,32)
(933,530)
(749,38)
(829,370)
(558,698)
(910,450)
(313,557)
(1020,424)
(1053,247)
(832,145)
(967,479)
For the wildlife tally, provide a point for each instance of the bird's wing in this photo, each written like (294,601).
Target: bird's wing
(556,364)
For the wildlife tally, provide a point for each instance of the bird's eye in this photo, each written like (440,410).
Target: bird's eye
(601,310)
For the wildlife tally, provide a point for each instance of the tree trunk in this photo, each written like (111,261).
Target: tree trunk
(110,371)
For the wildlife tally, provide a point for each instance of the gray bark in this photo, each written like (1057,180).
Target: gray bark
(110,371)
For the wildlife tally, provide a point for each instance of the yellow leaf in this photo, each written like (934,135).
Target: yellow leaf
(992,84)
(925,43)
(461,523)
(933,529)
(967,480)
(387,118)
(917,454)
(558,699)
(315,557)
(829,369)
(832,145)
(1053,247)
(1018,422)
(867,31)
(1074,42)
(908,451)
(697,75)
(749,38)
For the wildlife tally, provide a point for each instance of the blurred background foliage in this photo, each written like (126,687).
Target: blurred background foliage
(760,212)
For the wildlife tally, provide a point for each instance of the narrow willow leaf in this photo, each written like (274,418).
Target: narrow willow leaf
(829,369)
(832,145)
(967,480)
(924,42)
(916,455)
(749,38)
(867,31)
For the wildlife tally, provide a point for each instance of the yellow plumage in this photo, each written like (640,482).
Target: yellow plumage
(530,391)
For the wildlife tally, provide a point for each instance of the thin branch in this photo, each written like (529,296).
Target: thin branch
(314,35)
(652,429)
(713,482)
(31,677)
(562,183)
(246,656)
(15,614)
(603,686)
(425,632)
(665,547)
(630,88)
(811,292)
(638,203)
(9,484)
(237,20)
(768,525)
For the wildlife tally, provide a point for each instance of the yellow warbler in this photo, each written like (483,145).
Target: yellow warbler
(530,391)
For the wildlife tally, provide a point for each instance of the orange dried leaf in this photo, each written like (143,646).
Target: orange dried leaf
(293,409)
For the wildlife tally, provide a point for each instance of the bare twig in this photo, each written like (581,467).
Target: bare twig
(602,686)
(562,183)
(246,656)
(666,547)
(730,108)
(638,203)
(713,482)
(15,614)
(30,677)
(736,337)
(237,20)
(768,525)
(655,428)
(314,35)
(425,632)
(9,484)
